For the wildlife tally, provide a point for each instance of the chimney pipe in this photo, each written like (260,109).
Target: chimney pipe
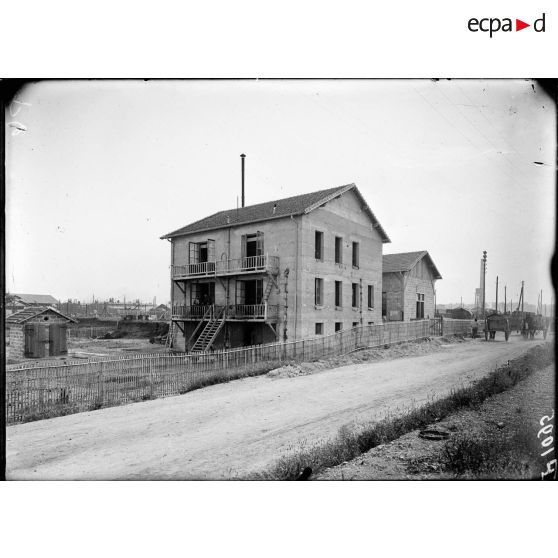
(242,157)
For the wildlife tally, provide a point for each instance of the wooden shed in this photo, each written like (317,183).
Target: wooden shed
(37,333)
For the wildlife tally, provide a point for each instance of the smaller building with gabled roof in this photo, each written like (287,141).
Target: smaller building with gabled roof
(408,286)
(37,332)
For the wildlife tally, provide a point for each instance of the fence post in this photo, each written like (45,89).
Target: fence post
(441,326)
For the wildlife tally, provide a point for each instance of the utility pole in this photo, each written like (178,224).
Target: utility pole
(505,299)
(496,294)
(242,157)
(483,283)
(520,303)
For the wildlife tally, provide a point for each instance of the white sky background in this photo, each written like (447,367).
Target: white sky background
(105,168)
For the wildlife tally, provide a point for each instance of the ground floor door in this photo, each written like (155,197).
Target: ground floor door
(36,340)
(57,339)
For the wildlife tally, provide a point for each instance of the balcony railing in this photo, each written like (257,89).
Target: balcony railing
(251,264)
(253,312)
(233,312)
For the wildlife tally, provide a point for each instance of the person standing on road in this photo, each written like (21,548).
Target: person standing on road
(475,329)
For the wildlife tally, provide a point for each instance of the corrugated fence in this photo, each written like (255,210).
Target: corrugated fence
(49,389)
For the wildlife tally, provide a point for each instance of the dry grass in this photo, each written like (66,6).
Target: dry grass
(350,443)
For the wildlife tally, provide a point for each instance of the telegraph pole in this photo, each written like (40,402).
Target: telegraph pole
(505,299)
(496,294)
(483,283)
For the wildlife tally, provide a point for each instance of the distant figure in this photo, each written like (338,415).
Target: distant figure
(196,302)
(475,329)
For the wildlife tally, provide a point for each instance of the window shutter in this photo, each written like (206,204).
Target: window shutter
(259,243)
(210,250)
(194,253)
(243,246)
(240,292)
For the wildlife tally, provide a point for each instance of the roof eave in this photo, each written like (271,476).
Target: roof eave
(241,223)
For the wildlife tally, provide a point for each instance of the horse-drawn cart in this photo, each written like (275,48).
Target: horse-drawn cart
(534,324)
(494,323)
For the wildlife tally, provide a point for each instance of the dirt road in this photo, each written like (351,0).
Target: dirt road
(228,430)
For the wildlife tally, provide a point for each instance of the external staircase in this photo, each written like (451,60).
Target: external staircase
(213,326)
(271,282)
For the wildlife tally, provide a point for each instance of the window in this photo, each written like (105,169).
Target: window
(319,248)
(201,252)
(252,248)
(420,306)
(355,254)
(338,294)
(249,292)
(318,291)
(338,326)
(370,296)
(355,301)
(319,329)
(338,250)
(355,324)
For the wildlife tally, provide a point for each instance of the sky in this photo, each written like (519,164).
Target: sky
(97,171)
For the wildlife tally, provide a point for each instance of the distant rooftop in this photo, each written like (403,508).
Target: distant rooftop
(35,298)
(296,205)
(405,261)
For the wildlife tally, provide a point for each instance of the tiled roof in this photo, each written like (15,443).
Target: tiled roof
(296,205)
(35,298)
(25,315)
(405,261)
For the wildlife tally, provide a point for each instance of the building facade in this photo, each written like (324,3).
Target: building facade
(408,286)
(279,271)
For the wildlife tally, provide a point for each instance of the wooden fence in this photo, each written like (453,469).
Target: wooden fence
(49,389)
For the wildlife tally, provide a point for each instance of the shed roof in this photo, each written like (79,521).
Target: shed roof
(405,261)
(296,205)
(28,313)
(35,298)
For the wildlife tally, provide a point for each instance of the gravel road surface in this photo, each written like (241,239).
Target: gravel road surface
(229,430)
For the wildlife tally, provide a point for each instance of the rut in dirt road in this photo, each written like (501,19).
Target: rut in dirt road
(233,429)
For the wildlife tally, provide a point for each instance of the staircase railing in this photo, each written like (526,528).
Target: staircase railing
(207,314)
(210,331)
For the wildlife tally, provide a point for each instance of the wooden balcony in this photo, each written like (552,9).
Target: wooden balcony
(240,266)
(234,312)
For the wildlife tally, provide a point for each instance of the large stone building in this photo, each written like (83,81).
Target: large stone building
(408,291)
(277,271)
